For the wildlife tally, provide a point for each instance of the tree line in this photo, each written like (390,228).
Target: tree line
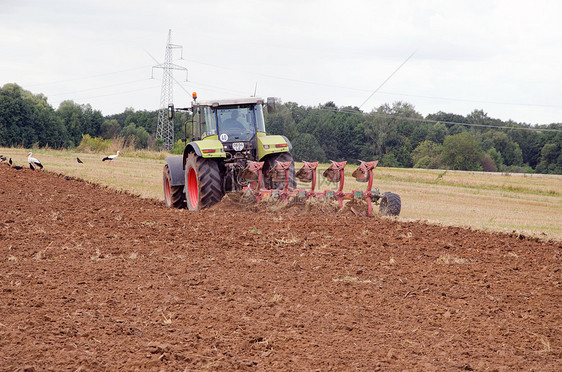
(398,136)
(395,134)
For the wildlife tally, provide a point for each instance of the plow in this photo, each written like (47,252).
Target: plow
(389,203)
(230,152)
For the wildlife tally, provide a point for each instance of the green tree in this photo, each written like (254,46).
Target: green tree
(79,120)
(420,133)
(322,125)
(110,129)
(349,131)
(137,135)
(306,147)
(510,151)
(389,160)
(450,121)
(281,122)
(462,152)
(72,117)
(427,155)
(530,144)
(27,119)
(388,127)
(437,133)
(496,157)
(551,159)
(298,113)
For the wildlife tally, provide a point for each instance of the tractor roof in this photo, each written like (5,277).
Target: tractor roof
(232,101)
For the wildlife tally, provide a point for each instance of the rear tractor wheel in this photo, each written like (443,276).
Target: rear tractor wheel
(173,195)
(203,182)
(390,204)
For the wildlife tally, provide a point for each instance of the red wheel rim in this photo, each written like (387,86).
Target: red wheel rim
(193,188)
(167,191)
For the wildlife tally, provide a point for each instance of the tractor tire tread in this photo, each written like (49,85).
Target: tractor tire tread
(210,181)
(390,204)
(177,195)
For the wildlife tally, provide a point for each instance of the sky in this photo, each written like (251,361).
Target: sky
(502,57)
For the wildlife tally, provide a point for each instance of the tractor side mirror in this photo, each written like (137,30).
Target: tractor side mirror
(271,105)
(171,111)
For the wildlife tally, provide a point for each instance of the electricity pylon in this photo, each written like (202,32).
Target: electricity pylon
(165,128)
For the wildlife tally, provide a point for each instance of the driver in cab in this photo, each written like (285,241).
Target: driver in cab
(233,124)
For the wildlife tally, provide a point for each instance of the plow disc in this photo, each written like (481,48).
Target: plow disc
(389,203)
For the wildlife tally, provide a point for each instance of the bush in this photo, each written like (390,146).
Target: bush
(179,146)
(136,137)
(487,163)
(389,160)
(427,155)
(423,163)
(95,144)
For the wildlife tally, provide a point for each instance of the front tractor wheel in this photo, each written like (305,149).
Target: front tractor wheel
(390,204)
(173,195)
(203,182)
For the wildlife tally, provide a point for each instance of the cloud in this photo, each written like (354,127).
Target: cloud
(499,56)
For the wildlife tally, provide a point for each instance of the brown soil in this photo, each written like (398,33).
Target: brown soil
(94,280)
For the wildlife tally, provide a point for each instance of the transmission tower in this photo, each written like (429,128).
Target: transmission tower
(165,128)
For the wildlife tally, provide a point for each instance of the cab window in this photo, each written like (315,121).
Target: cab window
(235,123)
(258,113)
(208,122)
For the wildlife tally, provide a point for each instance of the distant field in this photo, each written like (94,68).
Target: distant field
(529,204)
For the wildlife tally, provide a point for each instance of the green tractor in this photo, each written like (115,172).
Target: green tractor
(227,135)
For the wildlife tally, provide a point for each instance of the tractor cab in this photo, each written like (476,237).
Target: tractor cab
(236,124)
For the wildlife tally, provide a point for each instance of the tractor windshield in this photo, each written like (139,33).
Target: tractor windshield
(236,123)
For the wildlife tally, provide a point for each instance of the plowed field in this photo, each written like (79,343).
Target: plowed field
(92,280)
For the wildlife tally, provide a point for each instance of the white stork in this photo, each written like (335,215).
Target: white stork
(110,157)
(33,162)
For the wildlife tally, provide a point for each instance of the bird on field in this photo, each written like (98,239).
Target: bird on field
(34,162)
(3,158)
(110,157)
(16,167)
(79,161)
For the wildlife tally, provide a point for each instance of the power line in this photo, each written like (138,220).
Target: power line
(472,100)
(388,78)
(216,88)
(322,84)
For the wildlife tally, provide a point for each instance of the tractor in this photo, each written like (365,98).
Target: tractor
(227,135)
(231,152)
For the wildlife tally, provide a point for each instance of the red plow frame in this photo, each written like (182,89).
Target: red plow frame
(308,173)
